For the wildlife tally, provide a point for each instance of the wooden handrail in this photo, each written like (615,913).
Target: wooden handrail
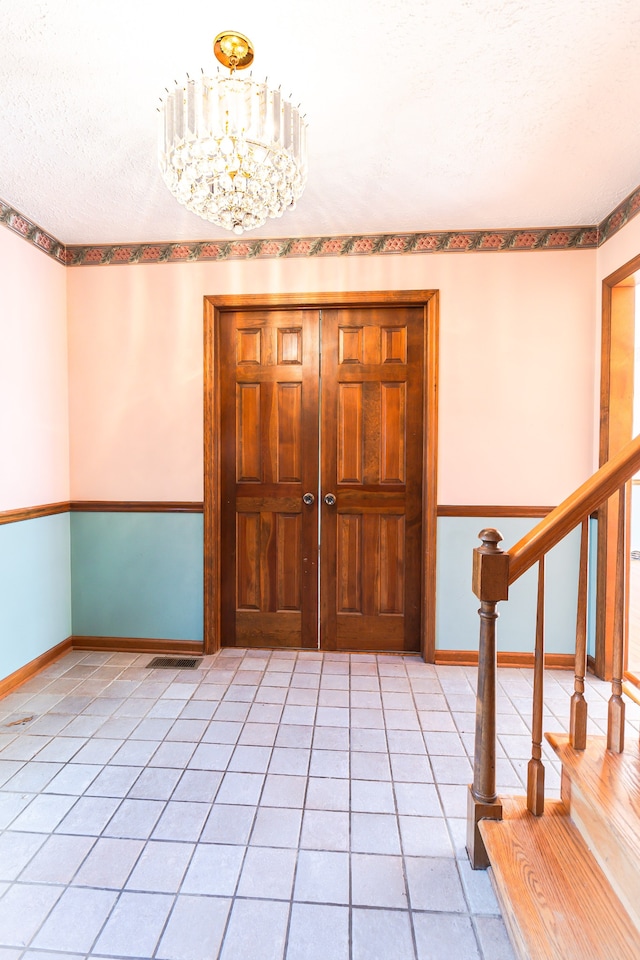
(493,572)
(572,511)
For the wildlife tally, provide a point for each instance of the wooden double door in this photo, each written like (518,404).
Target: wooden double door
(321,419)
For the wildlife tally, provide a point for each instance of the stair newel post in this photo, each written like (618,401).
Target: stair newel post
(535,768)
(490,585)
(578,717)
(615,725)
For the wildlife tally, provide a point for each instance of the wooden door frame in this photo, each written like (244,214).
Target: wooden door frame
(616,429)
(214,307)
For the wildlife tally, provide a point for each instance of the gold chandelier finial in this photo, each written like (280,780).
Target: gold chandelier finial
(233,50)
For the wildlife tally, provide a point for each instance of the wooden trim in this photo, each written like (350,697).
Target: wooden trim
(616,427)
(136,506)
(506,658)
(101,506)
(500,510)
(623,273)
(108,644)
(139,645)
(29,670)
(430,475)
(283,301)
(212,429)
(214,306)
(32,513)
(591,664)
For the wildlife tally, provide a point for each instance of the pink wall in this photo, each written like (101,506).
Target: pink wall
(34,432)
(517,333)
(519,349)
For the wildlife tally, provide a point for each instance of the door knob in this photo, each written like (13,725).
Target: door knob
(308,498)
(329,499)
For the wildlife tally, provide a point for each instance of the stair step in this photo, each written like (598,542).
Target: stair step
(556,901)
(603,796)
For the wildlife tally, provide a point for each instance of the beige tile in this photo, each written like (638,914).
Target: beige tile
(318,932)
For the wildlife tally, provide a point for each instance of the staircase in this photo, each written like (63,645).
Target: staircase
(568,882)
(567,872)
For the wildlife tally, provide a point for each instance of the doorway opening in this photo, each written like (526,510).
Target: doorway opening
(320,471)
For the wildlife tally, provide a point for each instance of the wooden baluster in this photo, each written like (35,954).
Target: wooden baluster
(535,769)
(578,720)
(490,584)
(615,727)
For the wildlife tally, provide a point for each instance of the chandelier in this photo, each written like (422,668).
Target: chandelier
(232,150)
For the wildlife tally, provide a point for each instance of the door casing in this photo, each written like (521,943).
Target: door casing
(214,310)
(616,429)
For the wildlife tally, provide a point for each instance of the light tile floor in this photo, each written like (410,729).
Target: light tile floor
(265,806)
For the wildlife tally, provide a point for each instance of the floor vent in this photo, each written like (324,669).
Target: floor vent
(174,663)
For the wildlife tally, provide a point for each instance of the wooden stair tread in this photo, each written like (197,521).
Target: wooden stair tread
(609,782)
(602,791)
(556,901)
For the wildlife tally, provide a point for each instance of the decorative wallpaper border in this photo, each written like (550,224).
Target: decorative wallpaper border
(577,237)
(463,241)
(31,232)
(618,217)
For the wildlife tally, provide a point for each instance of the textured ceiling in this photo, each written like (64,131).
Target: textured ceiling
(423,114)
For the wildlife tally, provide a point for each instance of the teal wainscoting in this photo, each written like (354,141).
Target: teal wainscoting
(457,621)
(137,575)
(35,589)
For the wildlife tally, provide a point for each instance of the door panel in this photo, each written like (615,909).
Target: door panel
(367,419)
(269,426)
(372,443)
